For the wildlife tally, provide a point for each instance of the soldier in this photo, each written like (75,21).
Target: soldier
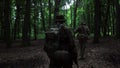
(82,35)
(65,53)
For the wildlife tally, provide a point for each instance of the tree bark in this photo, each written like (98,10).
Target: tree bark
(106,22)
(75,11)
(42,15)
(57,8)
(36,13)
(17,20)
(1,20)
(97,20)
(117,19)
(26,24)
(7,33)
(49,2)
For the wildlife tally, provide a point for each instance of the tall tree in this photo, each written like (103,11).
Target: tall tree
(42,15)
(35,17)
(75,11)
(97,20)
(71,15)
(117,18)
(7,15)
(106,19)
(57,8)
(1,20)
(49,2)
(113,17)
(26,24)
(17,20)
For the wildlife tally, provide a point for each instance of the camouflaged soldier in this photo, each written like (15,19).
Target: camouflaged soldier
(82,35)
(65,53)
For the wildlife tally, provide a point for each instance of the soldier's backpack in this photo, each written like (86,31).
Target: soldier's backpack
(63,53)
(58,52)
(51,41)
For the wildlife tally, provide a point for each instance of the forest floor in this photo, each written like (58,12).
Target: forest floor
(106,54)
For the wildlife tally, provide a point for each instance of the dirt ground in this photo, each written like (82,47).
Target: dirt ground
(106,54)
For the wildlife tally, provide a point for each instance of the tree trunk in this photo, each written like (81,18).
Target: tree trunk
(71,16)
(113,18)
(7,33)
(106,22)
(42,15)
(1,20)
(75,11)
(97,20)
(57,8)
(26,24)
(17,21)
(36,13)
(49,2)
(117,19)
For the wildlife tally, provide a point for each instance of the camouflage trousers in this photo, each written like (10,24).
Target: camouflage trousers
(82,47)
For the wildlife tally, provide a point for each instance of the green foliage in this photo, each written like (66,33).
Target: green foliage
(85,12)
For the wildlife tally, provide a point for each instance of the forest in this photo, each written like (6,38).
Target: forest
(24,22)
